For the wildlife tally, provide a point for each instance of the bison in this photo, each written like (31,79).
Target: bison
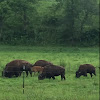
(10,71)
(84,69)
(50,71)
(42,63)
(15,68)
(38,69)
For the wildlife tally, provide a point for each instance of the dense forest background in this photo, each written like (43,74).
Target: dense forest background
(49,22)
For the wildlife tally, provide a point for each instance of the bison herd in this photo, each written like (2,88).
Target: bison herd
(44,68)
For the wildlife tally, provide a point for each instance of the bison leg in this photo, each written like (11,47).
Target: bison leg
(49,78)
(85,75)
(26,73)
(53,77)
(17,74)
(31,73)
(62,77)
(91,74)
(94,73)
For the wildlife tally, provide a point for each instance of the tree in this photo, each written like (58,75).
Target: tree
(5,12)
(71,14)
(48,22)
(77,19)
(19,21)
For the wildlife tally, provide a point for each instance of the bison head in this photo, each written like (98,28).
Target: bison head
(78,74)
(6,74)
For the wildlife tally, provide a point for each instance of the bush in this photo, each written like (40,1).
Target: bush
(90,38)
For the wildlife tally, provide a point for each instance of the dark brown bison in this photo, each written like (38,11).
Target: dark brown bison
(15,68)
(50,71)
(84,69)
(42,63)
(38,69)
(10,71)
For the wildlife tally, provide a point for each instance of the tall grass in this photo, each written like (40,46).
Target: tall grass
(83,88)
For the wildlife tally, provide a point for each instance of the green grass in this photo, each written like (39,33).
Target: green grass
(83,88)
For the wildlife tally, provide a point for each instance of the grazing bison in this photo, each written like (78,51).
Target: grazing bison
(50,71)
(42,63)
(38,69)
(15,68)
(10,71)
(84,69)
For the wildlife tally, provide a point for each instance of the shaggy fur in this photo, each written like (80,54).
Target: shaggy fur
(15,68)
(38,69)
(42,63)
(50,71)
(84,69)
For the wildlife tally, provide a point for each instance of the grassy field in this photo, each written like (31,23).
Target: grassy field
(83,88)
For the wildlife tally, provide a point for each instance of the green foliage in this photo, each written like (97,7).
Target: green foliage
(78,20)
(90,36)
(47,22)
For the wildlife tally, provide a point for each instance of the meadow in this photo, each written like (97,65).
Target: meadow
(83,88)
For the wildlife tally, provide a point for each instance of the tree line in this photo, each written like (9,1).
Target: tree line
(49,22)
